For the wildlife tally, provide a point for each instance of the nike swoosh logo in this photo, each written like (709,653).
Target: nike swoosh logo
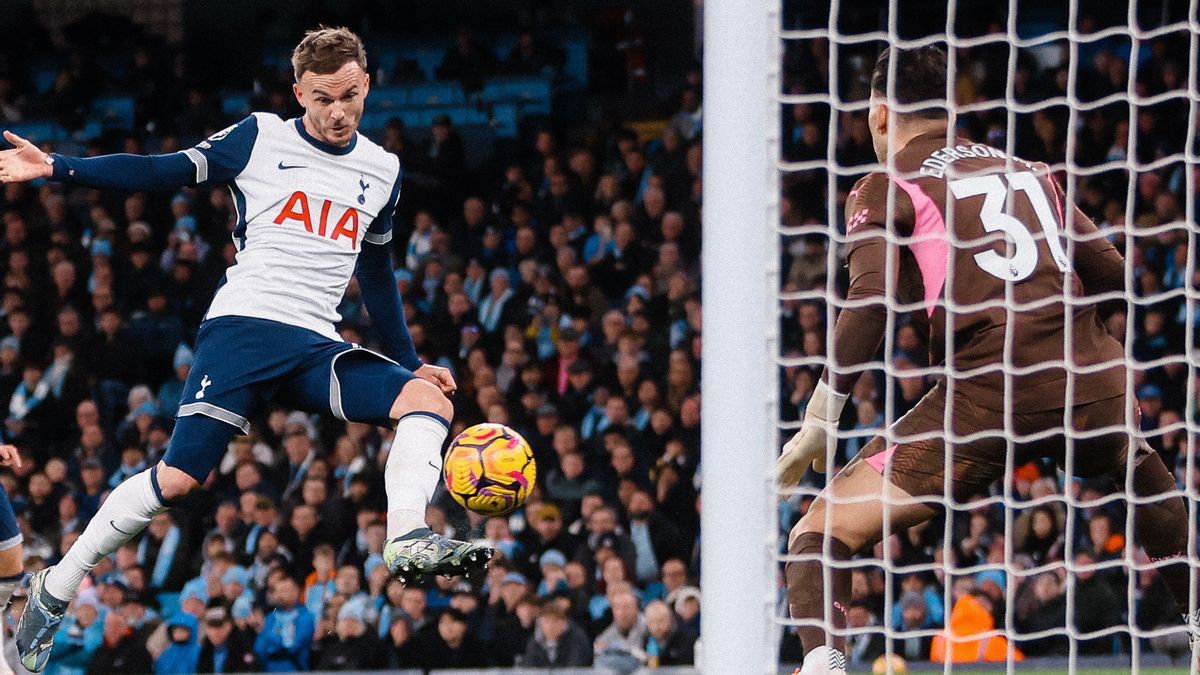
(284,167)
(113,524)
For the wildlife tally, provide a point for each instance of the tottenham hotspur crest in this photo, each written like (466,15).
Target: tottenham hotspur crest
(362,198)
(204,382)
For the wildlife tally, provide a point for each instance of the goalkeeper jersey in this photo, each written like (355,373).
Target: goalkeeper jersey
(975,246)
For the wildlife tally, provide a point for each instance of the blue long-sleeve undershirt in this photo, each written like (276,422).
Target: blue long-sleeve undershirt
(379,292)
(131,173)
(218,159)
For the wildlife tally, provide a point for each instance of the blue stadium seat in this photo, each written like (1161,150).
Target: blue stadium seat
(43,77)
(378,120)
(504,119)
(91,129)
(516,89)
(236,105)
(464,115)
(435,93)
(39,131)
(575,69)
(388,97)
(114,111)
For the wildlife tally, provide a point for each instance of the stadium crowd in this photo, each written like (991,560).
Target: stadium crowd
(561,286)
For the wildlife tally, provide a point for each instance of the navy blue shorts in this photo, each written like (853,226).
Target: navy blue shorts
(244,363)
(10,534)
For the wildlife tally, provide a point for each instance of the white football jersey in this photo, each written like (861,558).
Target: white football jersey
(304,210)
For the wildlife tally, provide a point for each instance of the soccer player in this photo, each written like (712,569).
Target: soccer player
(974,240)
(314,205)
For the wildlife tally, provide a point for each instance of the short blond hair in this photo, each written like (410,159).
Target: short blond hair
(325,50)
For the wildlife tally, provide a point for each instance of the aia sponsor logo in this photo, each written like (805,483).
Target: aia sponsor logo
(298,210)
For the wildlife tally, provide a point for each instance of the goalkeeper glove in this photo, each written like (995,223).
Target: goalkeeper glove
(807,447)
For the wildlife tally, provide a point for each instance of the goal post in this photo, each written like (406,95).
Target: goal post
(740,282)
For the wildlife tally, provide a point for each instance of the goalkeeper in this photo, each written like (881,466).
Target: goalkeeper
(973,240)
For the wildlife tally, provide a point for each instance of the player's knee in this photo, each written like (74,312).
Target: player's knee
(12,561)
(174,483)
(816,521)
(422,396)
(813,521)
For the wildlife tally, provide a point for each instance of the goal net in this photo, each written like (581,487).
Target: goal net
(1040,568)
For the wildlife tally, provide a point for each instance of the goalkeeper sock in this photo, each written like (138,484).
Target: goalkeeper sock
(806,589)
(1161,526)
(126,512)
(413,467)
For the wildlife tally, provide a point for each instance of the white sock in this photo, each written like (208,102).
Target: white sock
(126,512)
(414,466)
(824,660)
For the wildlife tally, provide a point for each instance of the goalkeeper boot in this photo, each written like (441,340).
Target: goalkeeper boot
(824,661)
(40,621)
(1192,621)
(424,552)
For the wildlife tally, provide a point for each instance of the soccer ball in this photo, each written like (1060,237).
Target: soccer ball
(489,469)
(899,665)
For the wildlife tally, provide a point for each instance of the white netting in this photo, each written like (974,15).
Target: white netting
(1107,97)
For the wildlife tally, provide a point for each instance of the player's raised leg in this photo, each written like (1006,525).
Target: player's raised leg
(195,448)
(367,387)
(414,466)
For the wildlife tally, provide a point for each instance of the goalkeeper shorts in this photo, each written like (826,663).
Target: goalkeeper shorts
(913,453)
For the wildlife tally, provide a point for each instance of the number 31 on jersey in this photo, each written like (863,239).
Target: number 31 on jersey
(1025,249)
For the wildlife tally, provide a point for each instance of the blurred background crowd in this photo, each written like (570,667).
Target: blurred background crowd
(547,251)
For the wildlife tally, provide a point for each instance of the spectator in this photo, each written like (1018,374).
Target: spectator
(620,646)
(352,646)
(183,654)
(654,537)
(123,650)
(1041,606)
(284,643)
(668,642)
(449,645)
(225,647)
(1097,606)
(511,625)
(863,648)
(402,649)
(914,613)
(557,642)
(467,61)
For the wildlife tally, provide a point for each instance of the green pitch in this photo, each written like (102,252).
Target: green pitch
(1082,671)
(1156,670)
(1107,671)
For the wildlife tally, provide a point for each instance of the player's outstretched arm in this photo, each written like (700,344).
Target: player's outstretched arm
(219,159)
(119,172)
